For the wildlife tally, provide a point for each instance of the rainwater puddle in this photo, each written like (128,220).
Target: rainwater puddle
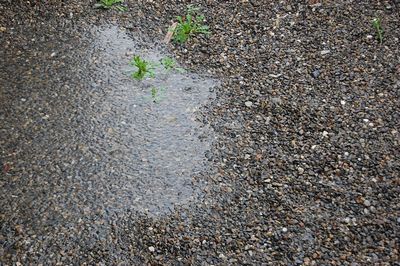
(149,127)
(88,138)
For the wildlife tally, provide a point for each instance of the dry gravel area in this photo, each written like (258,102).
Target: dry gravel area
(302,167)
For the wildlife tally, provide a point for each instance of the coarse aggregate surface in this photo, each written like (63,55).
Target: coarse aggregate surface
(286,146)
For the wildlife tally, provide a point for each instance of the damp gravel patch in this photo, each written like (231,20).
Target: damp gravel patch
(84,140)
(305,156)
(152,146)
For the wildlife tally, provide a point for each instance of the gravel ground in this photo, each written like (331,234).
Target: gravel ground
(306,156)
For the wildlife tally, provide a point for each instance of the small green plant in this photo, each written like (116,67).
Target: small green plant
(376,23)
(144,68)
(170,64)
(107,4)
(189,25)
(156,94)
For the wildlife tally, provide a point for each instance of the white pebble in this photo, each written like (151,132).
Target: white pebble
(248,104)
(152,249)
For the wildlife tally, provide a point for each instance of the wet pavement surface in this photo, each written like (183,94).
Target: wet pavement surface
(91,138)
(278,146)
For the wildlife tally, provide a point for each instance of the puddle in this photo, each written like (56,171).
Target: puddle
(85,137)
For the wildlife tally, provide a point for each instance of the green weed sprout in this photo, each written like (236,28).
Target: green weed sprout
(144,68)
(156,94)
(376,23)
(189,25)
(170,64)
(108,4)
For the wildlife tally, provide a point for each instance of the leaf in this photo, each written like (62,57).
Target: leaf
(189,18)
(180,19)
(200,18)
(121,8)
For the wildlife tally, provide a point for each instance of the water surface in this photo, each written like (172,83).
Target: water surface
(82,137)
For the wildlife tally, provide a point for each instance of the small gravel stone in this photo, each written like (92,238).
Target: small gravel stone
(367,203)
(316,73)
(300,170)
(248,103)
(222,256)
(276,100)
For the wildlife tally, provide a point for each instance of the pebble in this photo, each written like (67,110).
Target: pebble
(248,103)
(300,170)
(275,75)
(276,100)
(316,73)
(367,203)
